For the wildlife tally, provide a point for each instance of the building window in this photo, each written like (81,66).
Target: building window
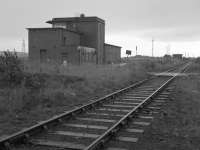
(43,55)
(64,41)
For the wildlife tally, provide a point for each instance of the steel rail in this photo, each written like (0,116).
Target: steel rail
(23,135)
(99,142)
(173,68)
(102,139)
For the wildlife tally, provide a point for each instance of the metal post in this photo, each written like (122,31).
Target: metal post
(136,51)
(152,46)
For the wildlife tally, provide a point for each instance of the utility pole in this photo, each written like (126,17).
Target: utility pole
(136,50)
(152,46)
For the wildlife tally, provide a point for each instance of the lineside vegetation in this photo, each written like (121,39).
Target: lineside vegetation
(31,92)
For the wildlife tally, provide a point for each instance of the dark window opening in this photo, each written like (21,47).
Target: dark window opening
(64,41)
(43,55)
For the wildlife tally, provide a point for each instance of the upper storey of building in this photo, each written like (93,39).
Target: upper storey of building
(72,23)
(91,30)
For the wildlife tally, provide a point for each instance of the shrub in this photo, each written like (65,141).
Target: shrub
(35,81)
(10,68)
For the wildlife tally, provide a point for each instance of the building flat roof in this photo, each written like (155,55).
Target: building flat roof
(112,45)
(177,54)
(76,19)
(53,29)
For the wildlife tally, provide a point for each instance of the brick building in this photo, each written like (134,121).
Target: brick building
(178,56)
(76,40)
(112,53)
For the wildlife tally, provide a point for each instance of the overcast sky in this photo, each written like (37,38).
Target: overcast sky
(128,22)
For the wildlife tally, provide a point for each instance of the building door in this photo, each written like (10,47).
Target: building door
(64,57)
(43,55)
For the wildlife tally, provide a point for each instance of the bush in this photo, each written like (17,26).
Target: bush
(10,68)
(34,81)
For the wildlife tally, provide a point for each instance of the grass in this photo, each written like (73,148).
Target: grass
(195,68)
(52,89)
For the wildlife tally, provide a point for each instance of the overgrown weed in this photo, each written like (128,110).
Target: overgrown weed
(53,87)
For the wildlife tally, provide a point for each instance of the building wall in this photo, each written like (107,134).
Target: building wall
(177,56)
(101,41)
(87,55)
(112,53)
(92,35)
(69,54)
(60,42)
(54,41)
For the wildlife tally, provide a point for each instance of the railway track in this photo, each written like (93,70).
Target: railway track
(113,122)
